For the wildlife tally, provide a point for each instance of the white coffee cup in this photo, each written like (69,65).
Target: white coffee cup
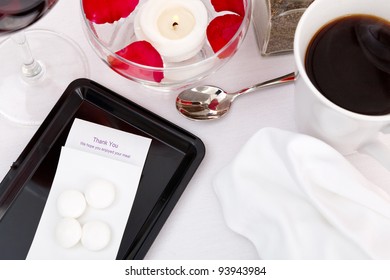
(346,131)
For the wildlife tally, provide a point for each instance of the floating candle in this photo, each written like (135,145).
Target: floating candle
(176,28)
(175,23)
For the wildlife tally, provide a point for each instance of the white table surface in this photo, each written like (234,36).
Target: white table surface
(196,228)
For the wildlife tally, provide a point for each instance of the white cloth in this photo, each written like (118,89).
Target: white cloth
(295,197)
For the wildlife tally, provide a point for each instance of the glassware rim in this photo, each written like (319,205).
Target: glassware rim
(244,25)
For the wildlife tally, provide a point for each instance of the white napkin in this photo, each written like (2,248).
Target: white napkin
(295,197)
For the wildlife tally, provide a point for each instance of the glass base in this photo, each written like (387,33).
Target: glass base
(28,101)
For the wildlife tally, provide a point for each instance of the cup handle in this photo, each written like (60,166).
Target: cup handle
(377,150)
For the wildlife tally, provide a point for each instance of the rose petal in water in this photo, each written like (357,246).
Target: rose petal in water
(108,11)
(141,52)
(221,30)
(235,6)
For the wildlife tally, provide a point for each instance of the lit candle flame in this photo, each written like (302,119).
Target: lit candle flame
(175,23)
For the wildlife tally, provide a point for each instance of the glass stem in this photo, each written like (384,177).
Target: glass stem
(31,69)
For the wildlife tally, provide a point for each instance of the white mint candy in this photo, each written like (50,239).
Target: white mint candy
(71,204)
(100,193)
(96,235)
(68,232)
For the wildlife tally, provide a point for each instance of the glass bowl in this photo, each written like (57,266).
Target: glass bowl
(107,39)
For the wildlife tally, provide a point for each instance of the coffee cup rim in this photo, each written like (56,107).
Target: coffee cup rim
(301,71)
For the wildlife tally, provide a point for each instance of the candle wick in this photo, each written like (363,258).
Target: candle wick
(175,25)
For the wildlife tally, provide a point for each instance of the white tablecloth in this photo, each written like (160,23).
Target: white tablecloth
(196,228)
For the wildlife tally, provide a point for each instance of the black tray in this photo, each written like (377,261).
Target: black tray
(173,158)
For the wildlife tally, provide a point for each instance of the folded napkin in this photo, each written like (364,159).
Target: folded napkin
(295,197)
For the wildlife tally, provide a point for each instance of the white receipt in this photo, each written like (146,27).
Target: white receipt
(76,168)
(108,142)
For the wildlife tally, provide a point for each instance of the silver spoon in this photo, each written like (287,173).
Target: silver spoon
(210,102)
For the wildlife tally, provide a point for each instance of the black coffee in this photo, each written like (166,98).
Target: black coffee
(348,61)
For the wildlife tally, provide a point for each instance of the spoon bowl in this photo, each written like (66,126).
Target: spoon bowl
(211,102)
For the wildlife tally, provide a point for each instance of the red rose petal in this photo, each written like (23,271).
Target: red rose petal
(141,52)
(235,6)
(221,30)
(108,11)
